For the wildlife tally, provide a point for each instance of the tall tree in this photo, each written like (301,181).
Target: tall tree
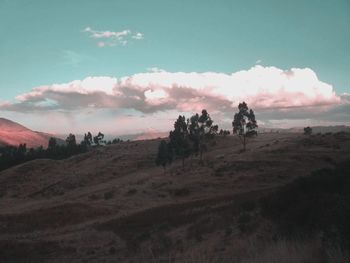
(164,155)
(179,139)
(71,141)
(52,143)
(99,138)
(201,130)
(244,123)
(87,139)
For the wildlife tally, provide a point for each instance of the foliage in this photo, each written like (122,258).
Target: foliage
(179,139)
(224,132)
(87,139)
(71,142)
(244,123)
(114,141)
(164,155)
(98,139)
(308,130)
(201,130)
(11,155)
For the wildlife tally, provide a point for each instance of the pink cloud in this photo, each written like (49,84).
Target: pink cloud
(273,93)
(261,87)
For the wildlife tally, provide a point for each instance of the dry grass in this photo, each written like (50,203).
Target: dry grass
(255,251)
(112,203)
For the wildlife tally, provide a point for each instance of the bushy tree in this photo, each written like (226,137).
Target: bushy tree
(165,155)
(71,141)
(308,130)
(179,139)
(224,132)
(244,123)
(201,130)
(87,139)
(99,138)
(116,140)
(52,143)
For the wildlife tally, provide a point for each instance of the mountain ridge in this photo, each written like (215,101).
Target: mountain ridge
(13,133)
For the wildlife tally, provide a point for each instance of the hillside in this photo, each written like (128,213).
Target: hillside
(12,133)
(113,204)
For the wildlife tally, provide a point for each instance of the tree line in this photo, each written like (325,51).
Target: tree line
(194,135)
(12,155)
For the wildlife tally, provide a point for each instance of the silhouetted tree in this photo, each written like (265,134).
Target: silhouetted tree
(87,139)
(164,155)
(224,132)
(308,130)
(11,155)
(52,143)
(99,138)
(70,140)
(179,139)
(201,130)
(116,140)
(244,123)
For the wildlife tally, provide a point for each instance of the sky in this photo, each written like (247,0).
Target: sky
(133,66)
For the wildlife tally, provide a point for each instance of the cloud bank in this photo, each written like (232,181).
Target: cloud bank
(261,87)
(273,93)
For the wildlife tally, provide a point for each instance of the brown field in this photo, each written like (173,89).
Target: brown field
(113,204)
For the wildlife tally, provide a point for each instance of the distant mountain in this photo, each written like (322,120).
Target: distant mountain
(12,133)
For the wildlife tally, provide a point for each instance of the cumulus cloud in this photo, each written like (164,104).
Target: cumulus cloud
(112,38)
(266,89)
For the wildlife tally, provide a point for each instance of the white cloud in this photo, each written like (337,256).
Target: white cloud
(261,87)
(137,36)
(112,38)
(273,93)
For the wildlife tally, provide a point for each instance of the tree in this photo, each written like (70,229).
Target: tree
(99,138)
(52,143)
(224,132)
(201,130)
(308,130)
(244,123)
(70,140)
(164,155)
(71,145)
(179,139)
(116,140)
(87,139)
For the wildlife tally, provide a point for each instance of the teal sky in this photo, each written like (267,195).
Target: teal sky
(42,42)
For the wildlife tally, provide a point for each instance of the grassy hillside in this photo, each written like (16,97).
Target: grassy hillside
(113,204)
